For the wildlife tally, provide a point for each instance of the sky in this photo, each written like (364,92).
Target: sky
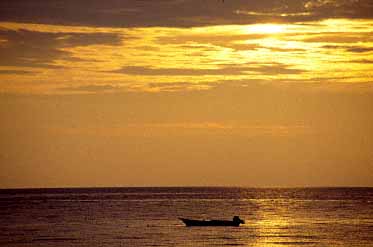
(269,93)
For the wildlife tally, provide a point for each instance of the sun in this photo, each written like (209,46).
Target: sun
(266,28)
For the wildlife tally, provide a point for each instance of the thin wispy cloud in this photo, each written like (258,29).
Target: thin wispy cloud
(185,129)
(267,69)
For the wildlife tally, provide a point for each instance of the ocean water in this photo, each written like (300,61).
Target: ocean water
(149,217)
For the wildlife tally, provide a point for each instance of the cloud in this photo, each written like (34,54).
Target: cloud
(200,56)
(271,69)
(212,41)
(362,61)
(340,8)
(29,49)
(186,129)
(273,14)
(16,72)
(340,37)
(91,89)
(175,13)
(208,38)
(40,49)
(359,49)
(280,49)
(148,71)
(354,49)
(179,86)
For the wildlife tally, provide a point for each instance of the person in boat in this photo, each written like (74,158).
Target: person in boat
(236,219)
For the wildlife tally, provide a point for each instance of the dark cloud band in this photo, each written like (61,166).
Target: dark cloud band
(176,13)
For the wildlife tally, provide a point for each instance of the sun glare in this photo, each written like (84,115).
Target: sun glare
(266,28)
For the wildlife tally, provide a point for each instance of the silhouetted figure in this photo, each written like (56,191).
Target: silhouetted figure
(237,220)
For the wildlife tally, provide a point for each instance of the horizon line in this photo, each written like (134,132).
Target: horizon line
(190,186)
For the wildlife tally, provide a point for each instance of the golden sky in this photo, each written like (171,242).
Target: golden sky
(186,92)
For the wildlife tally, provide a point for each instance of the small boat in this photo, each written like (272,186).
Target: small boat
(235,222)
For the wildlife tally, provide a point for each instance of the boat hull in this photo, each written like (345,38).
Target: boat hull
(189,222)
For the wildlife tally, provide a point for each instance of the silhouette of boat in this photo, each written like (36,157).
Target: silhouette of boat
(235,222)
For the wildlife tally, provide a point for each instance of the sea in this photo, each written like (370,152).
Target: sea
(143,216)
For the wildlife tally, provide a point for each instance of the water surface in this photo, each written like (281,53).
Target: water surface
(149,217)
